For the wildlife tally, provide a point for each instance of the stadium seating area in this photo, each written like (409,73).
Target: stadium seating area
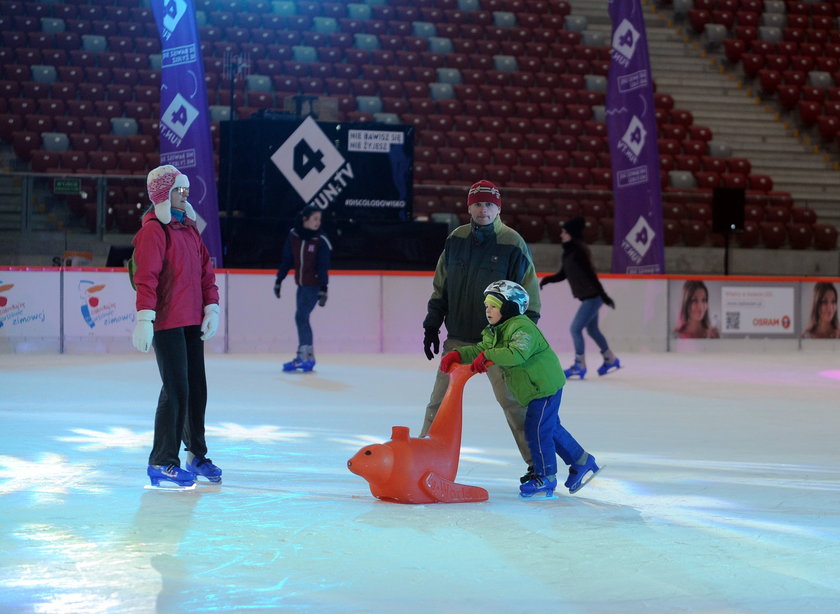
(790,49)
(503,89)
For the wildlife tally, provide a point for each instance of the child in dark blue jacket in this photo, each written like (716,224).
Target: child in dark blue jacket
(307,250)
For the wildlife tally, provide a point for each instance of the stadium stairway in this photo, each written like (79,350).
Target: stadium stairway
(700,80)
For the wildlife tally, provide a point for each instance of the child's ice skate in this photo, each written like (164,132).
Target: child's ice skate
(303,362)
(170,477)
(609,365)
(296,364)
(576,370)
(539,484)
(581,475)
(203,467)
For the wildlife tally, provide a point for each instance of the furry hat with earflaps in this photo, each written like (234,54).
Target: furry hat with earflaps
(160,183)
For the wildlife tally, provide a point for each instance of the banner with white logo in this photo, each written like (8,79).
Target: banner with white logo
(638,246)
(279,166)
(309,161)
(185,140)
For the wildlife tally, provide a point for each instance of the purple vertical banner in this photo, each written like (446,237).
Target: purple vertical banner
(638,245)
(185,140)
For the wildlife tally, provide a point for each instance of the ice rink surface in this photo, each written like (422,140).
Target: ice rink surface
(720,492)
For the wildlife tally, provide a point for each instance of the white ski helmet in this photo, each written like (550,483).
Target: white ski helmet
(509,291)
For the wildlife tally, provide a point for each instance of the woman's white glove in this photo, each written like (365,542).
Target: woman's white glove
(210,323)
(144,331)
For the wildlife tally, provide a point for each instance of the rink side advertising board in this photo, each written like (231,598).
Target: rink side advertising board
(30,303)
(185,140)
(745,310)
(638,245)
(82,309)
(352,171)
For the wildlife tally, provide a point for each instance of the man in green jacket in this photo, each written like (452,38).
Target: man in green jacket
(475,255)
(533,373)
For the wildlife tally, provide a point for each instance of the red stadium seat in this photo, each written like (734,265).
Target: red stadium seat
(694,232)
(753,212)
(800,236)
(554,227)
(45,161)
(752,63)
(714,163)
(672,230)
(700,133)
(788,96)
(773,234)
(758,182)
(769,80)
(825,236)
(749,236)
(776,213)
(531,227)
(809,111)
(803,216)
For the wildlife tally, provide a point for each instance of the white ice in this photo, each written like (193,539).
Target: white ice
(720,492)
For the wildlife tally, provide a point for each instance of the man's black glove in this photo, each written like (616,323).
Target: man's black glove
(322,296)
(431,339)
(277,289)
(607,300)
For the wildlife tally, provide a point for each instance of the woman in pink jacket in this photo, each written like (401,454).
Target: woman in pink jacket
(177,310)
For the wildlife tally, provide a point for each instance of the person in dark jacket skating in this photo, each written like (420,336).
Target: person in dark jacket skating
(577,267)
(307,250)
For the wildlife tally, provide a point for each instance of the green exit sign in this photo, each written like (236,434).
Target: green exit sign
(67,186)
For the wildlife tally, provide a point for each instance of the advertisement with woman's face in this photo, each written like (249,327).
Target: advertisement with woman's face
(693,318)
(732,309)
(819,307)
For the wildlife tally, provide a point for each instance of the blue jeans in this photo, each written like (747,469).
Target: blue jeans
(547,437)
(587,317)
(307,298)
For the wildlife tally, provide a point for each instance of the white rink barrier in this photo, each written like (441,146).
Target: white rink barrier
(91,310)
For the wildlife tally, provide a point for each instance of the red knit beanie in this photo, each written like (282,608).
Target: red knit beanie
(484,192)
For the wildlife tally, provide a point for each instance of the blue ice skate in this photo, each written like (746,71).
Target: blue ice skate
(538,485)
(580,475)
(203,467)
(576,370)
(297,364)
(170,477)
(609,365)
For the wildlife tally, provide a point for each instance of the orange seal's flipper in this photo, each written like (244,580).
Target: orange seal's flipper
(447,491)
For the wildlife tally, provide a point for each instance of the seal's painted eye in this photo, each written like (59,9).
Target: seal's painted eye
(368,452)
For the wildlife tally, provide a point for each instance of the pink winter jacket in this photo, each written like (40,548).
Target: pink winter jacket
(174,276)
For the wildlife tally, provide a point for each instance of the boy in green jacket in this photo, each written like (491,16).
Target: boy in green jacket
(533,374)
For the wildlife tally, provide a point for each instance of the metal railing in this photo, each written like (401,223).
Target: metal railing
(87,204)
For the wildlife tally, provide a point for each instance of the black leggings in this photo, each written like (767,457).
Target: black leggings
(183,397)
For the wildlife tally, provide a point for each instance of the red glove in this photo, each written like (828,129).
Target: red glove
(451,358)
(479,365)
